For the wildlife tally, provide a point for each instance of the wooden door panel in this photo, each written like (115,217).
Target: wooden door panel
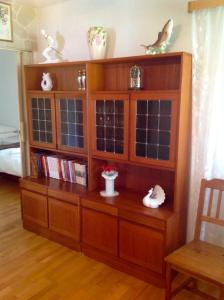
(41,115)
(100,231)
(34,208)
(71,122)
(154,128)
(109,125)
(64,218)
(141,245)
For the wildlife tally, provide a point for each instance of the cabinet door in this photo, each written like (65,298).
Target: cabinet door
(109,125)
(154,128)
(71,122)
(142,245)
(41,114)
(34,208)
(64,218)
(99,230)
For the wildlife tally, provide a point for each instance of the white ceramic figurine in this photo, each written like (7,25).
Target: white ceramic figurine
(155,197)
(46,82)
(51,48)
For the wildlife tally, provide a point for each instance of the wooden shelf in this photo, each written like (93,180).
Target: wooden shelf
(57,92)
(129,201)
(112,60)
(129,91)
(62,152)
(55,184)
(132,163)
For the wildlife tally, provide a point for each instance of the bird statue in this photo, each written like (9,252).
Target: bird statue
(155,197)
(162,41)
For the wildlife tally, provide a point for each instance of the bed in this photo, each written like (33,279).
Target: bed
(10,153)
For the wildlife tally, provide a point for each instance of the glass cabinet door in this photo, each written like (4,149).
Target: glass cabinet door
(42,120)
(110,125)
(71,120)
(153,121)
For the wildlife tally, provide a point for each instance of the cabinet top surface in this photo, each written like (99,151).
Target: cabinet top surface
(127,200)
(112,60)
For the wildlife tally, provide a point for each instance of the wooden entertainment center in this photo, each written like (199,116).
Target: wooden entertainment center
(144,134)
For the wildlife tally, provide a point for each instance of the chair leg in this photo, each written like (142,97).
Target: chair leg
(168,282)
(221,297)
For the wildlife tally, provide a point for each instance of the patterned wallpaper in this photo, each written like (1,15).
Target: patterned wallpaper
(24,28)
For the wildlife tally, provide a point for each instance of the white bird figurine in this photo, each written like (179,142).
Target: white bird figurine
(155,197)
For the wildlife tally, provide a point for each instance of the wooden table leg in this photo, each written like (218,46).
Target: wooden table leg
(168,282)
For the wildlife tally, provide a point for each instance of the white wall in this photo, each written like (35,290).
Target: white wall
(9,103)
(129,23)
(23,26)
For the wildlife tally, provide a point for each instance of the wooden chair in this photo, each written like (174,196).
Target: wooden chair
(200,260)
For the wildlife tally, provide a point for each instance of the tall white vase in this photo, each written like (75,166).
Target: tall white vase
(109,185)
(97,41)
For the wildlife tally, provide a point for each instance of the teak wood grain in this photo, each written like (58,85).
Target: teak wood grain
(164,75)
(142,246)
(100,231)
(64,218)
(34,208)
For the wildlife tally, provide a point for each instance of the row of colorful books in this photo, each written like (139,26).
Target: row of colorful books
(71,170)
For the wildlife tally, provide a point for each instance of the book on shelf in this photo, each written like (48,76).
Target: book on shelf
(66,169)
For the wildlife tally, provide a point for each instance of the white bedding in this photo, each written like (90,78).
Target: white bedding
(7,129)
(10,161)
(6,139)
(8,135)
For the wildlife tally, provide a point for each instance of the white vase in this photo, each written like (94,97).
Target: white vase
(97,41)
(46,83)
(109,185)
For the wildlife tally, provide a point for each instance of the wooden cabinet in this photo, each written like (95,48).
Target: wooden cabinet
(154,128)
(55,213)
(100,231)
(34,208)
(42,123)
(141,245)
(109,115)
(64,218)
(143,134)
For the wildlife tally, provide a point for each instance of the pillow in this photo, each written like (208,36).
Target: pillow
(7,129)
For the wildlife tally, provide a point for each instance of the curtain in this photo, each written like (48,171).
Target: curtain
(207,155)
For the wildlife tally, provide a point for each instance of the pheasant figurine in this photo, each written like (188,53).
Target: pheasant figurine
(163,39)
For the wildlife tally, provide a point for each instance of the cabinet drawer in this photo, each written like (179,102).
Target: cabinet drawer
(100,230)
(142,245)
(64,218)
(34,208)
(33,186)
(64,196)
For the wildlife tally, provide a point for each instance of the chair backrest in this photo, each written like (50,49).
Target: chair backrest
(210,204)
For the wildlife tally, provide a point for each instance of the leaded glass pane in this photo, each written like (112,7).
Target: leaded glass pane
(153,126)
(41,120)
(110,126)
(71,122)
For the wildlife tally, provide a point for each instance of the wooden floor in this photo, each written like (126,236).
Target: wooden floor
(32,267)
